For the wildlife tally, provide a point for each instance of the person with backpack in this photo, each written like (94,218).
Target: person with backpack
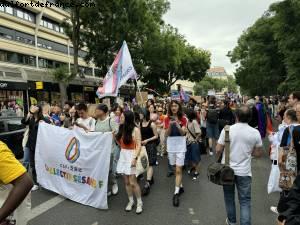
(212,126)
(105,123)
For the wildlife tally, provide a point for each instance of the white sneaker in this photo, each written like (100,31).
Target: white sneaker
(139,208)
(211,153)
(35,188)
(115,189)
(129,206)
(274,209)
(228,223)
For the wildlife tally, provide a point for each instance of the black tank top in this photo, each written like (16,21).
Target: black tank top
(147,131)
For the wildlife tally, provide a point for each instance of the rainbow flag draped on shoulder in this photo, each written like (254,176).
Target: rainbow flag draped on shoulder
(118,74)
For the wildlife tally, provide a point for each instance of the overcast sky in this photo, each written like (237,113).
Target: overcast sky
(215,25)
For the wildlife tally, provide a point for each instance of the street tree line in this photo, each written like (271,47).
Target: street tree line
(268,53)
(161,55)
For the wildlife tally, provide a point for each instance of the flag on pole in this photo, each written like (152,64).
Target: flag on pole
(183,95)
(118,74)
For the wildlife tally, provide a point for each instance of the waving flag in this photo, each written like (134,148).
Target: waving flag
(119,73)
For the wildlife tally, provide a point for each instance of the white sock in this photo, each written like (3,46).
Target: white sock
(181,185)
(139,200)
(176,190)
(130,198)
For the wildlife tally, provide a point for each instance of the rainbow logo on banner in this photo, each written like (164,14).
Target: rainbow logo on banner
(73,150)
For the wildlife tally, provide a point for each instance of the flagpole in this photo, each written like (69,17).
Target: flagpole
(139,90)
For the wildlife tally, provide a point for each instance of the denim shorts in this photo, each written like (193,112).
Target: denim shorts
(212,130)
(192,154)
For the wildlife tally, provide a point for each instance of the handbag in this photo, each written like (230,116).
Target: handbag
(222,174)
(288,167)
(142,163)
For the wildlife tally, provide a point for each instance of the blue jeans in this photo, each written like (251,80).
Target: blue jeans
(26,158)
(243,185)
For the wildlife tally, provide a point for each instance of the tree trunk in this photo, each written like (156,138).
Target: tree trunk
(63,92)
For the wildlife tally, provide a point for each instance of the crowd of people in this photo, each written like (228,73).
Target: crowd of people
(201,124)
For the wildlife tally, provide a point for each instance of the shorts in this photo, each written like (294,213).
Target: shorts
(212,130)
(192,154)
(176,158)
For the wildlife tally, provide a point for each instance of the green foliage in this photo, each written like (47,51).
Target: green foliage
(268,53)
(61,74)
(209,83)
(261,67)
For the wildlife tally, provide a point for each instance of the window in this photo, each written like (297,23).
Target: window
(9,10)
(56,28)
(1,8)
(50,25)
(20,14)
(62,30)
(42,23)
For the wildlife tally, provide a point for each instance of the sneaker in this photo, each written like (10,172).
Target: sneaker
(108,193)
(176,200)
(35,188)
(151,182)
(181,190)
(195,176)
(139,208)
(129,206)
(274,209)
(190,172)
(211,153)
(146,190)
(228,223)
(115,189)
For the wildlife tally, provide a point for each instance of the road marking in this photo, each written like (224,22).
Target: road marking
(195,221)
(191,211)
(45,206)
(96,223)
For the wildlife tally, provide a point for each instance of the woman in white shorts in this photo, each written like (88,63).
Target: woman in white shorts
(175,125)
(129,139)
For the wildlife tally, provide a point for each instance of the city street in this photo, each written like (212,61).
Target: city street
(202,203)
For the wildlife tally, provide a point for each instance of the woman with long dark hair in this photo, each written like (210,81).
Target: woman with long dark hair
(226,116)
(175,126)
(129,139)
(34,117)
(149,140)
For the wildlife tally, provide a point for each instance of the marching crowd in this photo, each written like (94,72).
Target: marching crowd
(153,127)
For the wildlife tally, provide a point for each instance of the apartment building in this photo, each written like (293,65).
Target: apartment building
(32,44)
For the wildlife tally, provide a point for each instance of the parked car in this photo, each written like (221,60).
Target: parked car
(11,133)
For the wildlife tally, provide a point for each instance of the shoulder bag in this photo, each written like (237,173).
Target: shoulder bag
(142,163)
(288,167)
(222,174)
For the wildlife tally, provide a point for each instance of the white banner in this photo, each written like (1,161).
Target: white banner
(74,164)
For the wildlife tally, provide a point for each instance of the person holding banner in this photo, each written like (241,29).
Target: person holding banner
(105,123)
(84,121)
(175,125)
(12,172)
(129,138)
(149,140)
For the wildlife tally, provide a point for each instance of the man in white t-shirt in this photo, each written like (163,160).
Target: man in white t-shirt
(245,142)
(84,121)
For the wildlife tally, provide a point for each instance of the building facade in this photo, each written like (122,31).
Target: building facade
(32,44)
(218,73)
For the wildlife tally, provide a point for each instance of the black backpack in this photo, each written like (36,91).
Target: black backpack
(212,115)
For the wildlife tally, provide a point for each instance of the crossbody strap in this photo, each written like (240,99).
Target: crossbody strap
(227,145)
(191,132)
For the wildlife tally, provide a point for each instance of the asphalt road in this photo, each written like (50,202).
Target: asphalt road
(202,203)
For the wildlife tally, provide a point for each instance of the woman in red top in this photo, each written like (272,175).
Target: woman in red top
(129,138)
(175,125)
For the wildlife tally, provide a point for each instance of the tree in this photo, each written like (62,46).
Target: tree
(287,34)
(111,22)
(63,77)
(169,58)
(73,30)
(261,65)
